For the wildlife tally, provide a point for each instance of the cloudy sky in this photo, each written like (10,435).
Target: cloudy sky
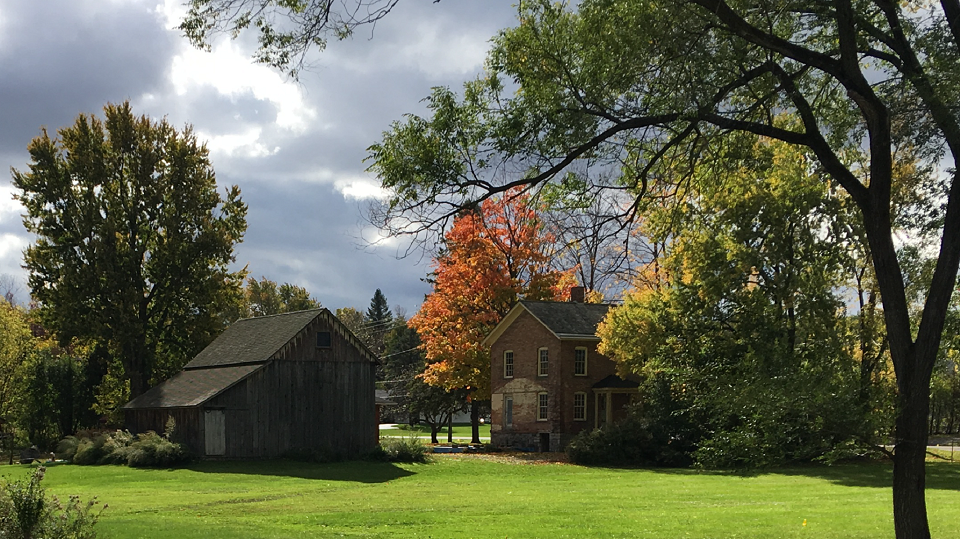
(295,149)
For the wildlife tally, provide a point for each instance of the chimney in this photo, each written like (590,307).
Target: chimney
(577,294)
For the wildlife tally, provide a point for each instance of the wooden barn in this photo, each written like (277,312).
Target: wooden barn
(269,386)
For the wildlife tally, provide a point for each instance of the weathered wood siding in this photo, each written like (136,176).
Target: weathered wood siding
(189,430)
(308,398)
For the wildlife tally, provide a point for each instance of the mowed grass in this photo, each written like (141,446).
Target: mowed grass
(460,432)
(469,496)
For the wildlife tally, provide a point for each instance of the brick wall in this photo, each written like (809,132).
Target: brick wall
(525,337)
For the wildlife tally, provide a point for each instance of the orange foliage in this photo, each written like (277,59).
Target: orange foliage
(492,258)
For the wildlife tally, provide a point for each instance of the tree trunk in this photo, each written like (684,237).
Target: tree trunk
(450,429)
(474,421)
(909,472)
(434,429)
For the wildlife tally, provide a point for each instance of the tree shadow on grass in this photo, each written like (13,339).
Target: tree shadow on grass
(940,475)
(355,471)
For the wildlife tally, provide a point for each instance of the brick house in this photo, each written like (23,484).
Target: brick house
(548,382)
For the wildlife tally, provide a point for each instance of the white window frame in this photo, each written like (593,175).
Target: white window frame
(543,361)
(543,406)
(508,410)
(508,373)
(582,407)
(576,351)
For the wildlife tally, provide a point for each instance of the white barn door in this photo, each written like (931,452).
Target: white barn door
(214,428)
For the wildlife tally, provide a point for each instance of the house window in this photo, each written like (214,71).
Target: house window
(580,362)
(579,406)
(543,363)
(323,339)
(543,406)
(508,364)
(507,410)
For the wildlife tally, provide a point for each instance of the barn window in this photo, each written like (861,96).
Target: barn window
(507,410)
(508,364)
(323,339)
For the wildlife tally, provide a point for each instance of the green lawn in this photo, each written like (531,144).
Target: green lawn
(464,496)
(460,432)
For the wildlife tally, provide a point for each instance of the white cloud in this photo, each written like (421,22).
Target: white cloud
(243,144)
(360,189)
(171,12)
(231,74)
(442,55)
(9,208)
(11,248)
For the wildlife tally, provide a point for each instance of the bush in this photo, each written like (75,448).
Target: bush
(139,451)
(26,512)
(633,441)
(403,449)
(67,448)
(152,450)
(89,450)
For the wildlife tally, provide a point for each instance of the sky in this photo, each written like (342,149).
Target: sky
(295,149)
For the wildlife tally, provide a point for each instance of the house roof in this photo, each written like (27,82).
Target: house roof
(615,382)
(566,320)
(192,387)
(256,340)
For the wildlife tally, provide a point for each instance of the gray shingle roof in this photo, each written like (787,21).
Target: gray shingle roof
(193,387)
(253,340)
(566,319)
(615,382)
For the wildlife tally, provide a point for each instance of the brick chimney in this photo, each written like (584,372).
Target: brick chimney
(577,294)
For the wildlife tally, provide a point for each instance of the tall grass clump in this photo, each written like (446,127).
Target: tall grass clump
(147,450)
(409,449)
(27,513)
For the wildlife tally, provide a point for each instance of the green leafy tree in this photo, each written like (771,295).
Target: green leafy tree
(644,86)
(748,330)
(287,29)
(16,346)
(133,241)
(265,297)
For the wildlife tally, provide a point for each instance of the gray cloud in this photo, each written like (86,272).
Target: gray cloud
(286,145)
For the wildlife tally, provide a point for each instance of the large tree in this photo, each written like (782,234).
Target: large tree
(746,332)
(492,256)
(265,297)
(639,85)
(133,241)
(287,29)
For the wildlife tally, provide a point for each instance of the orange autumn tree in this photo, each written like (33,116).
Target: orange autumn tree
(492,257)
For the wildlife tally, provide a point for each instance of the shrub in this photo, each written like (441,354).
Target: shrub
(67,448)
(145,450)
(403,449)
(26,512)
(152,450)
(89,450)
(633,441)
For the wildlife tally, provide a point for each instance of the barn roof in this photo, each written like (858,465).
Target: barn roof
(255,340)
(193,387)
(240,350)
(566,320)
